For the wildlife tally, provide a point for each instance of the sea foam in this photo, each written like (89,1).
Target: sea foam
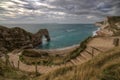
(95,32)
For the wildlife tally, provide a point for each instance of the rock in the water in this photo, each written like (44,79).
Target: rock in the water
(17,38)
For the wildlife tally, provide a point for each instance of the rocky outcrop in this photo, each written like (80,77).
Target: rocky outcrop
(16,38)
(37,38)
(109,27)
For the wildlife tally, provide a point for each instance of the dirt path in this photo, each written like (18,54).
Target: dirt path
(97,44)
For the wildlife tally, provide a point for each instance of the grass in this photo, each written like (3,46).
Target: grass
(48,61)
(105,66)
(43,58)
(77,52)
(40,59)
(10,73)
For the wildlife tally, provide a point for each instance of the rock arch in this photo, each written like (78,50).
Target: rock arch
(18,38)
(44,32)
(37,38)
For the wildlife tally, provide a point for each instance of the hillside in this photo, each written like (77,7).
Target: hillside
(18,38)
(105,66)
(109,27)
(10,73)
(96,58)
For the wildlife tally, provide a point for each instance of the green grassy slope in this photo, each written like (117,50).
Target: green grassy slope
(105,66)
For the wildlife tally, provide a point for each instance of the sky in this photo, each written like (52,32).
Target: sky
(57,11)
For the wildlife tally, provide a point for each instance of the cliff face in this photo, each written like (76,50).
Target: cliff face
(15,38)
(109,27)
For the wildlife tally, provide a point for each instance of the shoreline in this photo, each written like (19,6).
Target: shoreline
(64,48)
(67,48)
(95,32)
(61,51)
(72,46)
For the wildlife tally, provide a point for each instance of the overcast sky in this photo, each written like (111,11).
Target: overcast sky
(57,11)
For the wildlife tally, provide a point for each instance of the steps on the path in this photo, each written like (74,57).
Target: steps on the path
(92,51)
(98,49)
(82,58)
(73,62)
(68,64)
(79,59)
(44,69)
(86,55)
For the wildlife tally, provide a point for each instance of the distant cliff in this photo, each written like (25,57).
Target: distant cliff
(109,27)
(16,38)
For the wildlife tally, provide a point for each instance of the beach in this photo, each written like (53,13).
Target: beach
(61,51)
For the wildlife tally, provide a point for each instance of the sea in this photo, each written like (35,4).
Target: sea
(62,35)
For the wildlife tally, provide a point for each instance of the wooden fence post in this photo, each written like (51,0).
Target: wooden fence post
(116,42)
(13,64)
(6,59)
(18,64)
(36,72)
(92,52)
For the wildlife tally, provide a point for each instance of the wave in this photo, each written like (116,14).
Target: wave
(53,38)
(57,37)
(70,30)
(65,48)
(95,32)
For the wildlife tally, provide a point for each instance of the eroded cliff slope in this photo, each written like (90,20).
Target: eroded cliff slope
(109,27)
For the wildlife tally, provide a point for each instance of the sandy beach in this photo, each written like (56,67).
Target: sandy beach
(62,51)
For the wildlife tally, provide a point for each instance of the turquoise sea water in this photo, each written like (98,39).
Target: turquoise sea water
(62,35)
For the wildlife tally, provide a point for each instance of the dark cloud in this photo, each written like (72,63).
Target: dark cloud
(61,8)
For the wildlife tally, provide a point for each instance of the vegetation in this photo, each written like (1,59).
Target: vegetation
(10,73)
(43,58)
(77,52)
(32,53)
(105,66)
